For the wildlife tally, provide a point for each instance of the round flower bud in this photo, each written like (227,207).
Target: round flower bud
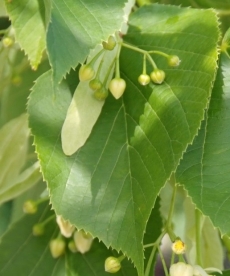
(86,72)
(16,80)
(173,61)
(30,207)
(181,269)
(101,94)
(110,44)
(83,241)
(72,246)
(178,247)
(117,87)
(112,265)
(65,226)
(38,229)
(57,247)
(144,79)
(7,42)
(157,76)
(95,84)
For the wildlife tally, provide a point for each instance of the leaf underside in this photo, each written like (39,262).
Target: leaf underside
(110,185)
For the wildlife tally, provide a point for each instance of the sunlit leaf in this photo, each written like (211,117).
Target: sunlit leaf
(77,27)
(204,169)
(109,186)
(29,19)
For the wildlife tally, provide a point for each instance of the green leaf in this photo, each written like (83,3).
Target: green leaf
(2,9)
(29,19)
(204,170)
(5,214)
(13,147)
(24,181)
(78,26)
(24,253)
(16,78)
(211,250)
(110,185)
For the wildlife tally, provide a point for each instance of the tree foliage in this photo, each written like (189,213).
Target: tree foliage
(109,163)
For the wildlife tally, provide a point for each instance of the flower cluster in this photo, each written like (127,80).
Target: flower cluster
(117,85)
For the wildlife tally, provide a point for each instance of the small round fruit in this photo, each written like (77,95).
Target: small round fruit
(173,61)
(57,247)
(7,42)
(112,265)
(38,229)
(110,44)
(95,84)
(117,87)
(30,207)
(144,79)
(101,94)
(86,72)
(157,76)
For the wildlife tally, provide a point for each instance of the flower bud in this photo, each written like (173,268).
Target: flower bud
(86,72)
(117,87)
(65,227)
(38,229)
(144,79)
(181,269)
(30,207)
(178,247)
(173,61)
(112,265)
(95,84)
(157,76)
(72,246)
(16,80)
(57,247)
(83,241)
(110,44)
(7,42)
(101,94)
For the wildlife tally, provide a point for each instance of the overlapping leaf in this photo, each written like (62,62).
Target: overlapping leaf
(110,185)
(30,255)
(29,19)
(204,169)
(78,26)
(13,149)
(27,179)
(24,253)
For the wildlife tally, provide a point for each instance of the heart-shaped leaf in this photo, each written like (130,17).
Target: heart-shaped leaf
(109,186)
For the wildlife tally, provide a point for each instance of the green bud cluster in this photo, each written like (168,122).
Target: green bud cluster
(117,85)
